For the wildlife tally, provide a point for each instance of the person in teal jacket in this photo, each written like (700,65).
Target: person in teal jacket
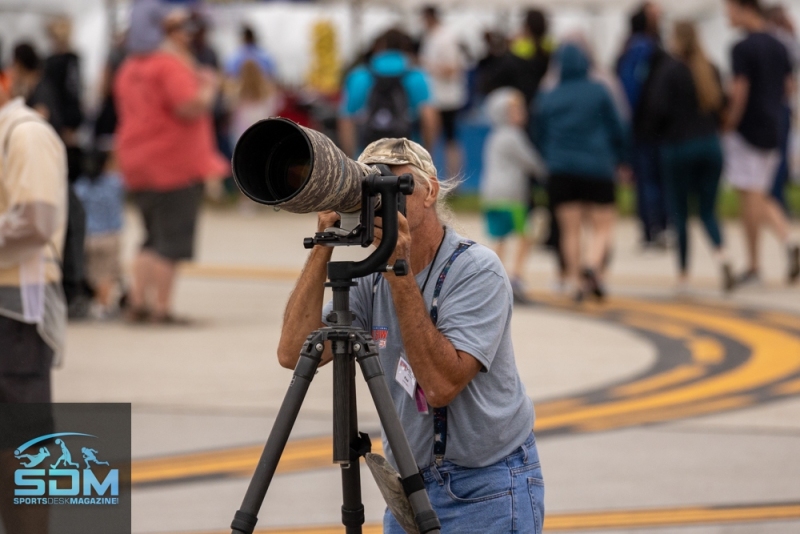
(583,141)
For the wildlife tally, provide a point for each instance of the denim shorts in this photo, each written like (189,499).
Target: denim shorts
(504,497)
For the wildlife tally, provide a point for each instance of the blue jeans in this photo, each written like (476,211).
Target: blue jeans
(782,176)
(650,198)
(504,497)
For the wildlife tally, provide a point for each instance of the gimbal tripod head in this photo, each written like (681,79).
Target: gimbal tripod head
(382,194)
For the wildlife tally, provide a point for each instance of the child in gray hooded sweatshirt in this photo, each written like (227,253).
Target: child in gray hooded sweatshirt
(509,159)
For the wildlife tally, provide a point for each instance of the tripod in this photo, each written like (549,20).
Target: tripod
(349,345)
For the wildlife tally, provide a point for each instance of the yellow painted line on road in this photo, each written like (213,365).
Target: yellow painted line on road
(781,319)
(671,413)
(659,326)
(669,517)
(678,375)
(256,272)
(706,350)
(787,388)
(622,519)
(317,453)
(775,355)
(548,408)
(299,455)
(238,272)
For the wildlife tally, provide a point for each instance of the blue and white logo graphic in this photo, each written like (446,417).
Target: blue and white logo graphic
(64,482)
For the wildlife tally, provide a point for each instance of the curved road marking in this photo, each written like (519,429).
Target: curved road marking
(698,372)
(712,358)
(679,387)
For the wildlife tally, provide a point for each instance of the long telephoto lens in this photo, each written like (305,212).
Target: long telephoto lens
(279,163)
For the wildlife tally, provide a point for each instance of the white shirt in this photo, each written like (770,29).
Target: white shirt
(33,222)
(440,50)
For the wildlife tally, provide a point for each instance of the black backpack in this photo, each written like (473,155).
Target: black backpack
(386,110)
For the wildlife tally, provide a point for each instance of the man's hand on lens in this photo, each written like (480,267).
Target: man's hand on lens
(402,250)
(326,219)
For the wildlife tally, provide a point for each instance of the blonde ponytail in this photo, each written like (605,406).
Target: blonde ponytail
(709,91)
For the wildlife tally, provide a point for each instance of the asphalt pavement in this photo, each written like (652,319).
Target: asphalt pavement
(657,412)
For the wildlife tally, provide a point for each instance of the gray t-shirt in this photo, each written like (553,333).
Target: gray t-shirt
(492,415)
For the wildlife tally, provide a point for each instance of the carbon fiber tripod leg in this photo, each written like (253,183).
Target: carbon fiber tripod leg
(414,486)
(245,519)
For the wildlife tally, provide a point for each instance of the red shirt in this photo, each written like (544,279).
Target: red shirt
(157,150)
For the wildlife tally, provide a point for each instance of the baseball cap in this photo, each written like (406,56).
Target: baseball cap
(393,151)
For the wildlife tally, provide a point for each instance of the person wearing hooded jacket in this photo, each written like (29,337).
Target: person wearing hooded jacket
(583,141)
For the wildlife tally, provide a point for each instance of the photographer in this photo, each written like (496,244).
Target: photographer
(464,408)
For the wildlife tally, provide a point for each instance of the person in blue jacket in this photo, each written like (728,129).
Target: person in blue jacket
(583,141)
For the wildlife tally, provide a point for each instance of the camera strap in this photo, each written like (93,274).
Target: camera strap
(440,414)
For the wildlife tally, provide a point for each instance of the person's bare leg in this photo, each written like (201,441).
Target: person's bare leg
(521,257)
(142,280)
(103,291)
(163,281)
(500,248)
(454,158)
(602,218)
(776,219)
(752,214)
(18,519)
(569,221)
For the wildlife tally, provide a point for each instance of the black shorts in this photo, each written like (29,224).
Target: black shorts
(449,123)
(564,188)
(170,220)
(24,364)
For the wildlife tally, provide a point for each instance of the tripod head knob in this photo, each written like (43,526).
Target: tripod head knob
(400,268)
(405,183)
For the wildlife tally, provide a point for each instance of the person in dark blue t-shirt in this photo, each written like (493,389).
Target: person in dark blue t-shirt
(762,81)
(636,68)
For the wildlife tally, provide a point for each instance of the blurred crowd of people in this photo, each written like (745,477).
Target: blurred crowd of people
(663,120)
(169,114)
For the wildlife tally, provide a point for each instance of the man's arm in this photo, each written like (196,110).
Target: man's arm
(441,370)
(304,309)
(739,93)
